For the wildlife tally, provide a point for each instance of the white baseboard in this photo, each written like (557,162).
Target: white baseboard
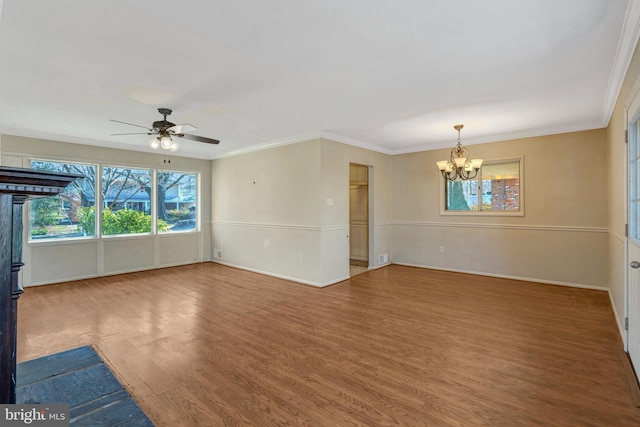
(111,273)
(619,321)
(281,276)
(504,276)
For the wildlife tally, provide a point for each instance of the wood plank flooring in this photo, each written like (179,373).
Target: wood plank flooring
(208,345)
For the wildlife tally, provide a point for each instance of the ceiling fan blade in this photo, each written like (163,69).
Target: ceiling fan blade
(133,133)
(198,138)
(184,128)
(131,124)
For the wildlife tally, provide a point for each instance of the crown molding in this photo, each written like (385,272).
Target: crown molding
(626,47)
(270,144)
(529,133)
(354,142)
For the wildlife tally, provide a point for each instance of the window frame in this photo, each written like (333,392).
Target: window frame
(29,214)
(520,212)
(99,217)
(198,201)
(98,202)
(634,180)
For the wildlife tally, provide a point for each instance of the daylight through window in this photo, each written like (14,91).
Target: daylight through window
(130,202)
(177,201)
(497,189)
(62,216)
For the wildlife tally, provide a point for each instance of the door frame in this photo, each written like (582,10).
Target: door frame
(370,224)
(631,112)
(370,215)
(627,213)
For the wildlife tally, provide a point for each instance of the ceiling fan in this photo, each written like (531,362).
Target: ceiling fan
(164,130)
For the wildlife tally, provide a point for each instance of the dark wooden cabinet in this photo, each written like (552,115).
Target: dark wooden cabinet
(16,186)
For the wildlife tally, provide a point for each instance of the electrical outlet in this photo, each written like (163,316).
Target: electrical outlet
(219,254)
(441,249)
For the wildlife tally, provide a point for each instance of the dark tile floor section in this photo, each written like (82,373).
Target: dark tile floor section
(80,379)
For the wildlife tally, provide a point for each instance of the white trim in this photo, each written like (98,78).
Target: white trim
(281,226)
(354,142)
(375,267)
(281,276)
(504,226)
(111,273)
(617,237)
(107,145)
(310,136)
(618,318)
(505,276)
(624,53)
(480,213)
(508,136)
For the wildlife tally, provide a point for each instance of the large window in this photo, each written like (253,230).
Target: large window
(129,201)
(126,201)
(177,194)
(496,190)
(61,217)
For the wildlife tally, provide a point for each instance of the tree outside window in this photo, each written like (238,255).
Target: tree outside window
(126,196)
(497,189)
(59,217)
(177,196)
(126,201)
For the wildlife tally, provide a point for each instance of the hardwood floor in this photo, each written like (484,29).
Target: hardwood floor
(205,344)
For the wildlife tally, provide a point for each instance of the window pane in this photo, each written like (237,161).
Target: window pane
(634,190)
(461,195)
(501,186)
(126,201)
(71,213)
(177,201)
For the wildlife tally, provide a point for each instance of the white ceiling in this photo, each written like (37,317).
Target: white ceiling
(394,76)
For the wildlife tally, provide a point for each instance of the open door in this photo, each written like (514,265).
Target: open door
(358,215)
(633,241)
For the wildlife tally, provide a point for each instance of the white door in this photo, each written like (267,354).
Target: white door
(633,245)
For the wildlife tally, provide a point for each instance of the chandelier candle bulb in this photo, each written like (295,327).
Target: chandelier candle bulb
(460,161)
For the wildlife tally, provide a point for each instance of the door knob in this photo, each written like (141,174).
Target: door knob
(634,264)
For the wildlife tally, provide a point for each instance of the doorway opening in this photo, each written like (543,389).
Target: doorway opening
(359,211)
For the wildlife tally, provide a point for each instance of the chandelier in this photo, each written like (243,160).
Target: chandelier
(164,141)
(458,166)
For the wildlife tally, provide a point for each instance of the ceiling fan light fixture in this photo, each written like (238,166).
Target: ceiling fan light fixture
(165,131)
(166,142)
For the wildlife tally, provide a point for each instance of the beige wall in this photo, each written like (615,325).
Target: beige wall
(266,211)
(58,261)
(335,172)
(561,238)
(285,211)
